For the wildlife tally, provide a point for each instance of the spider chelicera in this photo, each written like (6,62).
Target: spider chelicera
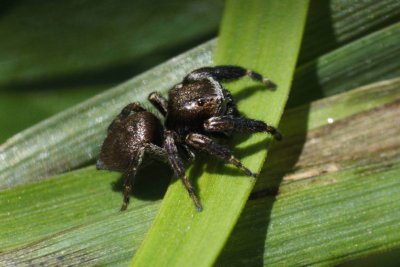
(197,110)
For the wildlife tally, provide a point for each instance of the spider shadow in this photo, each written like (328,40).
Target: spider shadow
(151,182)
(248,91)
(246,244)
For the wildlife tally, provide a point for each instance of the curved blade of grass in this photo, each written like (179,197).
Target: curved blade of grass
(336,23)
(264,36)
(359,63)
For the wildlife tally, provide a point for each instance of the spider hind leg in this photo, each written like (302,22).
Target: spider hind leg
(129,176)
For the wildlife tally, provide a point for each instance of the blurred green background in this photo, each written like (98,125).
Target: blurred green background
(54,54)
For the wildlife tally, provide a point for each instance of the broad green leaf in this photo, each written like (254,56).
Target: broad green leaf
(74,219)
(263,36)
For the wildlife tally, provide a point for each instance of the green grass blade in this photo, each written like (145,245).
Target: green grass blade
(359,63)
(264,36)
(335,23)
(74,219)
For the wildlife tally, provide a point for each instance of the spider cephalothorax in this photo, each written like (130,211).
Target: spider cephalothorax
(197,110)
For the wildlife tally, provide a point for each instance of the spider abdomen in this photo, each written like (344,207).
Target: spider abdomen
(126,137)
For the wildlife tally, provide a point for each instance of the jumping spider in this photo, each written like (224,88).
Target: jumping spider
(197,109)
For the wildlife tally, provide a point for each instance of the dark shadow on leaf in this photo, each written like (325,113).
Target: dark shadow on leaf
(246,244)
(5,6)
(248,91)
(151,182)
(250,150)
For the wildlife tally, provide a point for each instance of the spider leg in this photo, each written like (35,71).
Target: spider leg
(156,152)
(189,153)
(159,102)
(228,73)
(239,124)
(129,176)
(203,142)
(177,164)
(231,108)
(125,112)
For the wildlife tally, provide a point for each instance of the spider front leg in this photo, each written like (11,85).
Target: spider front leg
(228,73)
(231,107)
(203,142)
(177,165)
(130,174)
(159,102)
(230,123)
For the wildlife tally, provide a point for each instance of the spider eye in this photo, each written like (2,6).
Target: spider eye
(200,102)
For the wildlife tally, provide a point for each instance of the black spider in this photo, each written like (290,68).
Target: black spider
(197,109)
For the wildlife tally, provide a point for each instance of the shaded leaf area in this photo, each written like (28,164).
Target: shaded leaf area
(375,57)
(389,258)
(330,192)
(55,55)
(332,24)
(41,221)
(181,235)
(75,134)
